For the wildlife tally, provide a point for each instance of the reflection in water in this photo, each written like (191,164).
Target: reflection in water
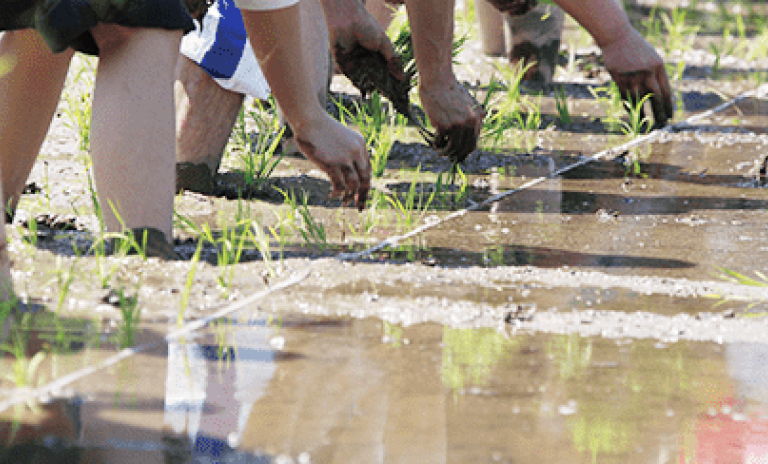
(212,402)
(347,394)
(572,353)
(470,354)
(735,427)
(600,436)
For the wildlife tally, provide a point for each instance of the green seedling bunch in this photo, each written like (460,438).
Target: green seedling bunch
(229,244)
(677,34)
(609,99)
(760,280)
(446,197)
(185,294)
(63,279)
(131,314)
(561,103)
(24,370)
(258,158)
(379,125)
(411,209)
(263,244)
(638,123)
(730,46)
(78,108)
(508,110)
(311,230)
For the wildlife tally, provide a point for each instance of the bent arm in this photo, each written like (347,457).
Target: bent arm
(605,20)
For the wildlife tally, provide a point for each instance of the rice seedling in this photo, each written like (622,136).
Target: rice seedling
(738,278)
(259,160)
(262,243)
(609,99)
(679,35)
(24,370)
(379,126)
(493,256)
(78,107)
(759,49)
(131,314)
(184,304)
(229,254)
(285,224)
(63,279)
(229,244)
(410,211)
(638,123)
(507,110)
(561,103)
(311,230)
(761,280)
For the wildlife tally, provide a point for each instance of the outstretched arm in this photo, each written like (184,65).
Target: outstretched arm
(633,63)
(454,113)
(275,36)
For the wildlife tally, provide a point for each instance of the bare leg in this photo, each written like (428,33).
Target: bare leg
(133,126)
(205,115)
(29,94)
(491,23)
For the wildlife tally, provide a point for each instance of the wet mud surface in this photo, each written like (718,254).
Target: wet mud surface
(588,318)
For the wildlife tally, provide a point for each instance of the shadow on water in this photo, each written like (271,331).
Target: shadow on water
(522,255)
(358,389)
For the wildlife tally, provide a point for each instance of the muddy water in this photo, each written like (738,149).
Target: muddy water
(584,319)
(291,388)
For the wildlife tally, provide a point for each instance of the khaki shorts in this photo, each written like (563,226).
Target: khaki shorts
(67,23)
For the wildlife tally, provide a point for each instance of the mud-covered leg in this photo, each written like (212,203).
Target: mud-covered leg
(205,115)
(535,36)
(133,134)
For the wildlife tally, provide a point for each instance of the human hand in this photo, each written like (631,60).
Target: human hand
(350,27)
(457,117)
(638,71)
(341,153)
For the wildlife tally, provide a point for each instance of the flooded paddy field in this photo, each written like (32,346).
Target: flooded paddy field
(612,312)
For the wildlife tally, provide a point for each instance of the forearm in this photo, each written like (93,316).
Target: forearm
(275,36)
(605,20)
(432,31)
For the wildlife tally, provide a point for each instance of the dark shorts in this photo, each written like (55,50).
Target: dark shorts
(67,23)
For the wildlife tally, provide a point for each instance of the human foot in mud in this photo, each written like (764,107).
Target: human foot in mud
(152,242)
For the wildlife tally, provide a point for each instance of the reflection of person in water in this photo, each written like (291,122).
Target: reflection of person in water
(209,393)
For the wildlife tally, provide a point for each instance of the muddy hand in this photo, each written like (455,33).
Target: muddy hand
(639,71)
(351,26)
(342,154)
(457,117)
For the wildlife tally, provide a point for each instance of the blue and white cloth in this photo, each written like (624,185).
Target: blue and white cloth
(222,49)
